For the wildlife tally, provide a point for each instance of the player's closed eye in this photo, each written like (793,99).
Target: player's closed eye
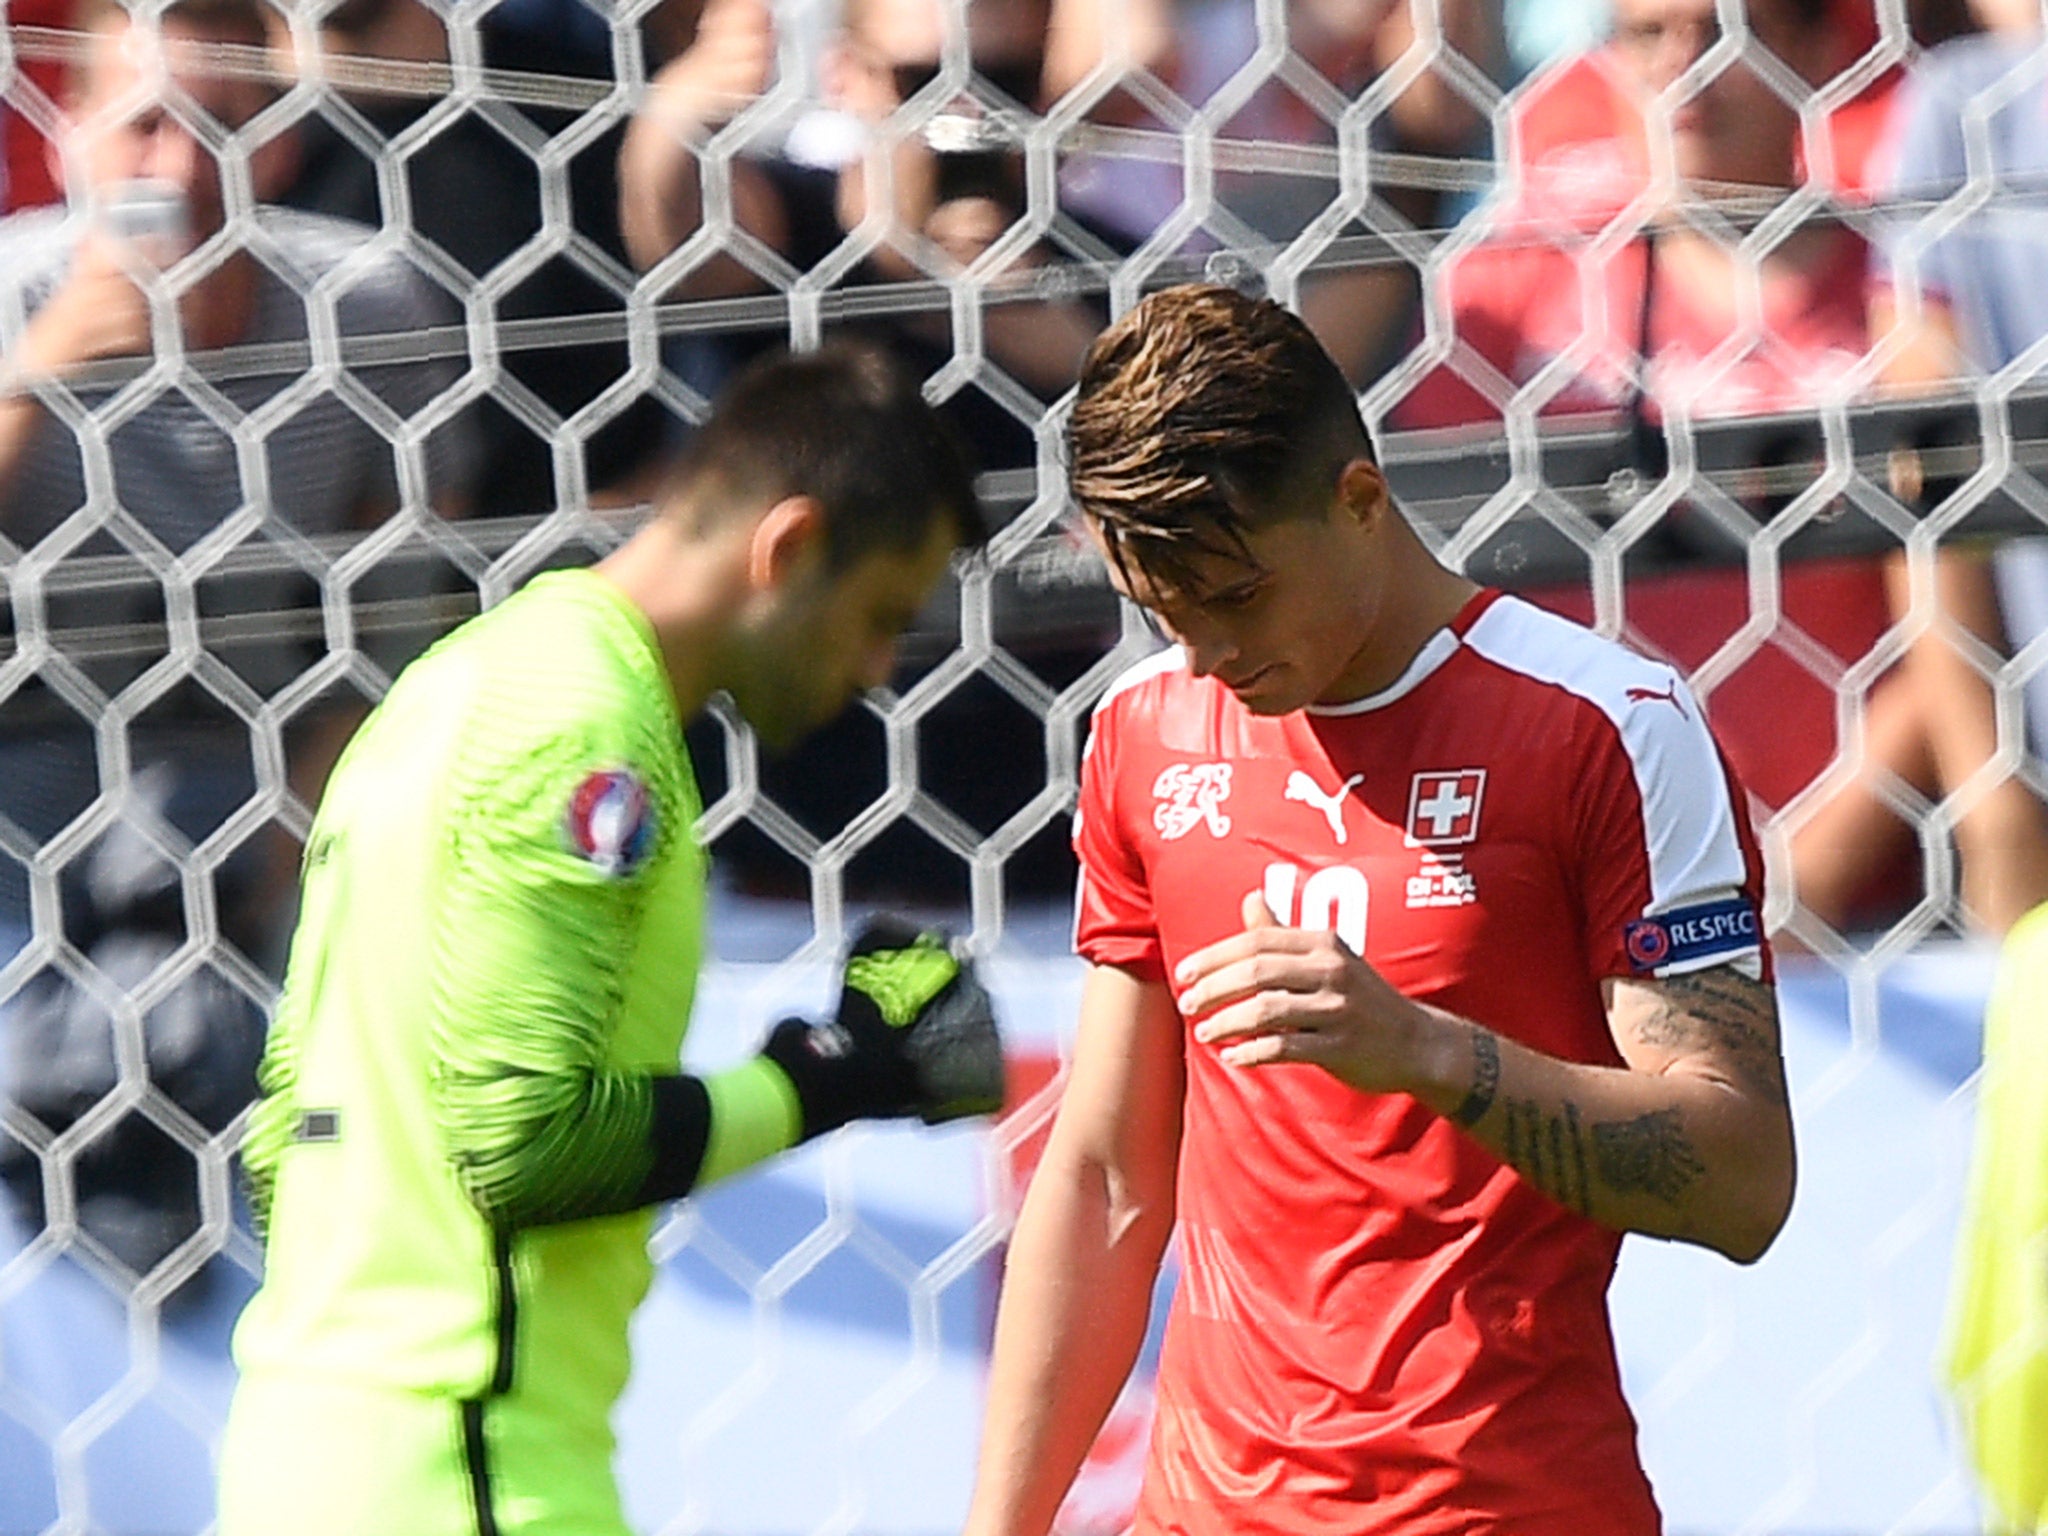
(1237,598)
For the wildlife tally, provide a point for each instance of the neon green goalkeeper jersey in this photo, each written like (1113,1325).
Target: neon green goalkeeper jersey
(499,939)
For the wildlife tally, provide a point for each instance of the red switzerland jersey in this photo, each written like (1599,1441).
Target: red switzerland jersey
(1380,1326)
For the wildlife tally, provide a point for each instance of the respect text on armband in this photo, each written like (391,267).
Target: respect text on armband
(1691,934)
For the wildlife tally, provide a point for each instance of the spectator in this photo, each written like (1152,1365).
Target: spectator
(1578,130)
(1965,299)
(103,471)
(1669,321)
(1680,320)
(809,203)
(474,195)
(804,203)
(1660,322)
(1200,47)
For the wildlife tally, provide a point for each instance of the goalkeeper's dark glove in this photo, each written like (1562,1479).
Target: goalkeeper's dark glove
(915,1034)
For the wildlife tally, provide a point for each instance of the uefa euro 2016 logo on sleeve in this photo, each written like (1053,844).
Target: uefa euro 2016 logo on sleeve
(1703,932)
(611,820)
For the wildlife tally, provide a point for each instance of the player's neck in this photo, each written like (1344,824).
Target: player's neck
(1419,602)
(682,594)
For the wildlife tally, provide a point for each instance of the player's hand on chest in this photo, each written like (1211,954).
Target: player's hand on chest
(1273,994)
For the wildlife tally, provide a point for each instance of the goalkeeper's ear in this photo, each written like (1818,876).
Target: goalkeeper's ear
(787,543)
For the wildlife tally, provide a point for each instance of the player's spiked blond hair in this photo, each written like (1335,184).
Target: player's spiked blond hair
(1200,414)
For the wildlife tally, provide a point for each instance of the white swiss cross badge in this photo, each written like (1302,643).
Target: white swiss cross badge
(1443,807)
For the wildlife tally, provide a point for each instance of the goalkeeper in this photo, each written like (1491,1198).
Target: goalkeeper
(471,1093)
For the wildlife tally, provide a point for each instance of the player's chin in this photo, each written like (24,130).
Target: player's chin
(1267,704)
(1273,692)
(784,733)
(789,730)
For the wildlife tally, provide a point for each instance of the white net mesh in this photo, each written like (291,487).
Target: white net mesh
(473,387)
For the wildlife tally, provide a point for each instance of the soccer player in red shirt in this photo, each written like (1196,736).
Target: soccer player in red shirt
(1425,962)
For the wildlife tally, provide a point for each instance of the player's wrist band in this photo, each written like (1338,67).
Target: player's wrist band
(1485,1079)
(707,1128)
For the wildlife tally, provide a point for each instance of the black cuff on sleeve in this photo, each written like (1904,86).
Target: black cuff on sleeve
(680,1132)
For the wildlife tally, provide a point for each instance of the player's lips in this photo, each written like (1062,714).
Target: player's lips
(1248,680)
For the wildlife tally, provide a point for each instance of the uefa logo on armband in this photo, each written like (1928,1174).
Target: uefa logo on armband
(611,820)
(1712,930)
(1649,946)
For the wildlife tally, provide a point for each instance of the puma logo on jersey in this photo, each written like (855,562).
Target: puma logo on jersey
(1668,695)
(1306,790)
(1191,795)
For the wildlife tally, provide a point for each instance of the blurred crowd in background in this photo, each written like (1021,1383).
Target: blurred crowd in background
(1659,222)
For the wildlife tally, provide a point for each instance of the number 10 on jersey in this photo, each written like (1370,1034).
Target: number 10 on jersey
(1331,900)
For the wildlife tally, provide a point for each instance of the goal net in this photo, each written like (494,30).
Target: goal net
(1609,362)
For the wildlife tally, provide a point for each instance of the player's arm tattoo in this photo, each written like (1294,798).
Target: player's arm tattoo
(1485,1079)
(1647,1155)
(1548,1147)
(1722,1011)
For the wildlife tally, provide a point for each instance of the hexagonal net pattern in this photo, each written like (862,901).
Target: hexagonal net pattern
(451,291)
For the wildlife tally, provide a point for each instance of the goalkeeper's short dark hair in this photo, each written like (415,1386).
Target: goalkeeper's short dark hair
(847,425)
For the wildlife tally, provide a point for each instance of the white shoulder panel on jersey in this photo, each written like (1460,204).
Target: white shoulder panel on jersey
(1158,664)
(1172,659)
(1689,817)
